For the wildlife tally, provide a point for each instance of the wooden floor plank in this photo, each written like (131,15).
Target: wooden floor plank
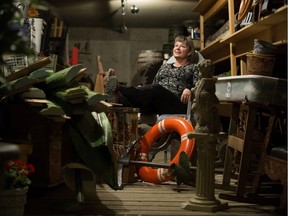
(135,199)
(138,198)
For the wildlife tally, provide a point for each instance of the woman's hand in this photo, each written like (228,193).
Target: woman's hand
(186,95)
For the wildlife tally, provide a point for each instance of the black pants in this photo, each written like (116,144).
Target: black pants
(152,99)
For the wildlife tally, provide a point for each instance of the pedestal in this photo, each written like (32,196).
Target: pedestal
(204,198)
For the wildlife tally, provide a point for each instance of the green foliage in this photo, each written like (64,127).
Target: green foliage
(16,174)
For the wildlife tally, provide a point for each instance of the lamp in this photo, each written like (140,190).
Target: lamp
(134,9)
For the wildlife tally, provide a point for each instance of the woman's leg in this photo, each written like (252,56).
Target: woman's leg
(140,96)
(151,99)
(166,102)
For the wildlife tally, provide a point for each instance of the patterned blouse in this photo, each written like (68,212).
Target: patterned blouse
(176,79)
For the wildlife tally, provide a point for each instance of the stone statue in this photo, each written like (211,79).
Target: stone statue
(205,101)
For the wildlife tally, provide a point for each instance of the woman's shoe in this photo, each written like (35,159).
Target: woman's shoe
(112,89)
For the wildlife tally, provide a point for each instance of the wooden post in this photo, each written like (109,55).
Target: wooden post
(99,83)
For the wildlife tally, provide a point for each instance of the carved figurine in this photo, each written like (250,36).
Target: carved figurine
(205,101)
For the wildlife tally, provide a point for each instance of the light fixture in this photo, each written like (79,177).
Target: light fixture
(123,27)
(134,10)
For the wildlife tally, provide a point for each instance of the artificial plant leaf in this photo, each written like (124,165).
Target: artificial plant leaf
(184,161)
(99,158)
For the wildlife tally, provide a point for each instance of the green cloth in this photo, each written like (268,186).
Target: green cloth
(71,93)
(90,132)
(94,98)
(93,141)
(33,92)
(16,86)
(52,109)
(39,75)
(64,77)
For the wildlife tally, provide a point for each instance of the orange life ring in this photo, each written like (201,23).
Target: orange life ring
(175,124)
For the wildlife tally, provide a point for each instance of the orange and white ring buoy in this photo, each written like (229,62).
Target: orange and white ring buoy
(175,124)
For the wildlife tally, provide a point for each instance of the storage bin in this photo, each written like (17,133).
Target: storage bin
(254,88)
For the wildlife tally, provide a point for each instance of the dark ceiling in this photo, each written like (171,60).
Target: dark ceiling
(108,13)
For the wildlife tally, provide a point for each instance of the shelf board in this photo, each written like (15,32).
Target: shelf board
(203,5)
(282,42)
(266,22)
(208,8)
(213,46)
(215,51)
(224,58)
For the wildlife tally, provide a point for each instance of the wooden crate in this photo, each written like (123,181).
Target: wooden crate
(44,135)
(124,123)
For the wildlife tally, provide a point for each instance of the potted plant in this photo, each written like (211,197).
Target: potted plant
(15,188)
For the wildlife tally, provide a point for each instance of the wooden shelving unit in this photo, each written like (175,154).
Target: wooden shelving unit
(271,28)
(207,9)
(216,51)
(279,17)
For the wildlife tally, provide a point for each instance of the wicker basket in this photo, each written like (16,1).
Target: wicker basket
(13,201)
(259,64)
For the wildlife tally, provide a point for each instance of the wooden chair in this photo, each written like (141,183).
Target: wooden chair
(248,170)
(276,169)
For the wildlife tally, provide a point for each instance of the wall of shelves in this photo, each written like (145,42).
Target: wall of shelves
(236,44)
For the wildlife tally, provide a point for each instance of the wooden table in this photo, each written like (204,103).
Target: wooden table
(248,179)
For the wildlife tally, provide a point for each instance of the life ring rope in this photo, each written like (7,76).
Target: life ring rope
(175,124)
(161,127)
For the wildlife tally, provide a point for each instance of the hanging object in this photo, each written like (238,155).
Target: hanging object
(123,27)
(134,10)
(244,8)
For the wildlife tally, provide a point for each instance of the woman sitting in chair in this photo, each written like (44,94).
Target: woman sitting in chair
(170,91)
